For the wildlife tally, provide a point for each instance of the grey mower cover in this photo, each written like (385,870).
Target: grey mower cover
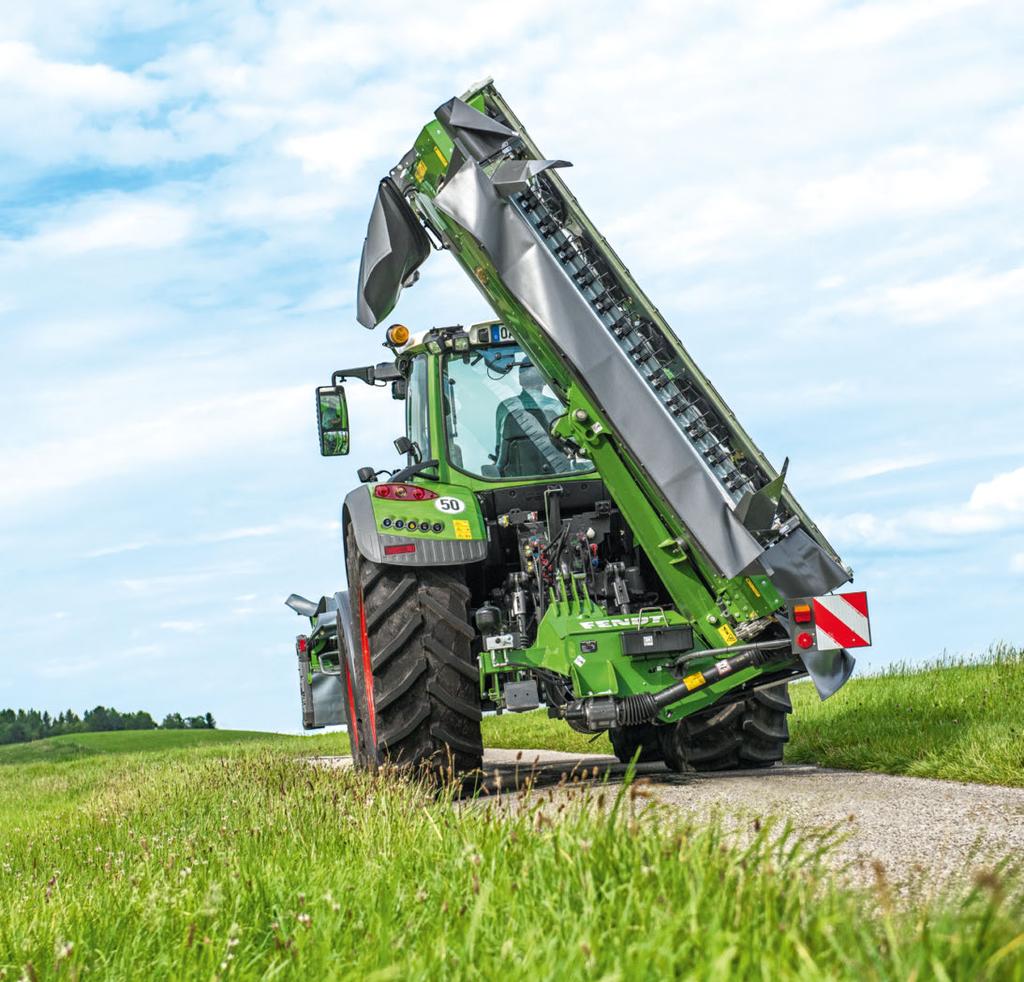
(535,278)
(395,247)
(480,136)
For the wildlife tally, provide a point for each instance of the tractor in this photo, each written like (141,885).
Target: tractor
(579,523)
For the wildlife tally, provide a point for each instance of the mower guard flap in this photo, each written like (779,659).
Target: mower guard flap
(394,248)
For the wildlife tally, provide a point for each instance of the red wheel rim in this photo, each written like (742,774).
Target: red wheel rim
(367,673)
(353,720)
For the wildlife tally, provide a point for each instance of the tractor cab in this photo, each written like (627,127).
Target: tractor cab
(498,412)
(475,403)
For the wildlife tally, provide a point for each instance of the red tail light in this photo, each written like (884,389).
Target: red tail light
(301,643)
(400,549)
(403,492)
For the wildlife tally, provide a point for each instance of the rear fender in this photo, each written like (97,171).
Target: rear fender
(322,684)
(447,530)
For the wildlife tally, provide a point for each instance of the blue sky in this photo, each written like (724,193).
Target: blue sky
(825,200)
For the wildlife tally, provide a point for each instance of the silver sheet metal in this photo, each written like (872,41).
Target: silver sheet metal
(828,670)
(480,135)
(327,696)
(639,418)
(395,246)
(513,176)
(799,567)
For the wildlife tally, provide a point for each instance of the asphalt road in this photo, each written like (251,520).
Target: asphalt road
(915,832)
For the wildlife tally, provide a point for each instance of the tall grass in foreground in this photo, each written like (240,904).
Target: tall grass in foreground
(956,718)
(246,863)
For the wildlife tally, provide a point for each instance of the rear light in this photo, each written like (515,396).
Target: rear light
(399,550)
(403,492)
(802,613)
(804,640)
(301,643)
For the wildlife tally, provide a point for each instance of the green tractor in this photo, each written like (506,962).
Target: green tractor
(580,523)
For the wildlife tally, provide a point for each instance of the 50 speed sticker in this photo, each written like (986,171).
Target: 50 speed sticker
(450,506)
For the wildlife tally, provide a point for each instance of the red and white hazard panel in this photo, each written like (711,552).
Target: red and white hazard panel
(839,620)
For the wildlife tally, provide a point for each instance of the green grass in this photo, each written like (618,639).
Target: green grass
(236,860)
(56,775)
(74,745)
(535,731)
(959,719)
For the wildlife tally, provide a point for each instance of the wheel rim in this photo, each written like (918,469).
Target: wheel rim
(371,713)
(352,718)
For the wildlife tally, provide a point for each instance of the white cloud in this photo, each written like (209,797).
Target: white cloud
(875,24)
(904,181)
(117,550)
(884,465)
(952,296)
(25,75)
(117,224)
(993,506)
(178,435)
(182,627)
(177,584)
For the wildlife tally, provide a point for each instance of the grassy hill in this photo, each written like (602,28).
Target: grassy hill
(73,745)
(957,718)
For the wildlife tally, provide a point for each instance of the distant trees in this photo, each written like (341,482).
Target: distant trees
(175,721)
(23,725)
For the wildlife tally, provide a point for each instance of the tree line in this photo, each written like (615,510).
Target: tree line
(23,725)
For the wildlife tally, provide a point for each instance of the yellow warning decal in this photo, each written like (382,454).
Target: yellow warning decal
(728,635)
(420,170)
(752,586)
(441,157)
(461,527)
(694,681)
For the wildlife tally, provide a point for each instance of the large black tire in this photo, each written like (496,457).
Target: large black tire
(749,733)
(627,739)
(418,680)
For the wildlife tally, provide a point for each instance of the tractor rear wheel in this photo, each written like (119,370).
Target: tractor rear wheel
(626,740)
(749,733)
(418,683)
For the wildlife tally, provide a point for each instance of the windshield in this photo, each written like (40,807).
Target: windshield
(498,414)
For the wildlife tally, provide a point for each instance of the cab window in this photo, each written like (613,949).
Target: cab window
(498,414)
(417,407)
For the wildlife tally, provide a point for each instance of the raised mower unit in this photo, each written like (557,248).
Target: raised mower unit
(581,523)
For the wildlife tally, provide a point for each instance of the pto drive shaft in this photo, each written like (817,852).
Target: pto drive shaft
(603,712)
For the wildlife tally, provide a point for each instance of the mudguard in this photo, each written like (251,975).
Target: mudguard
(447,529)
(321,688)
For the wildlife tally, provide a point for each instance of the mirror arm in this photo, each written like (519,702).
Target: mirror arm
(413,469)
(385,371)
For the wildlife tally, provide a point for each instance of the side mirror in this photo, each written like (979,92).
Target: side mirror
(399,388)
(332,420)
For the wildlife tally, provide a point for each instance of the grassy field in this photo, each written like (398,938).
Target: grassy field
(234,859)
(76,745)
(960,719)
